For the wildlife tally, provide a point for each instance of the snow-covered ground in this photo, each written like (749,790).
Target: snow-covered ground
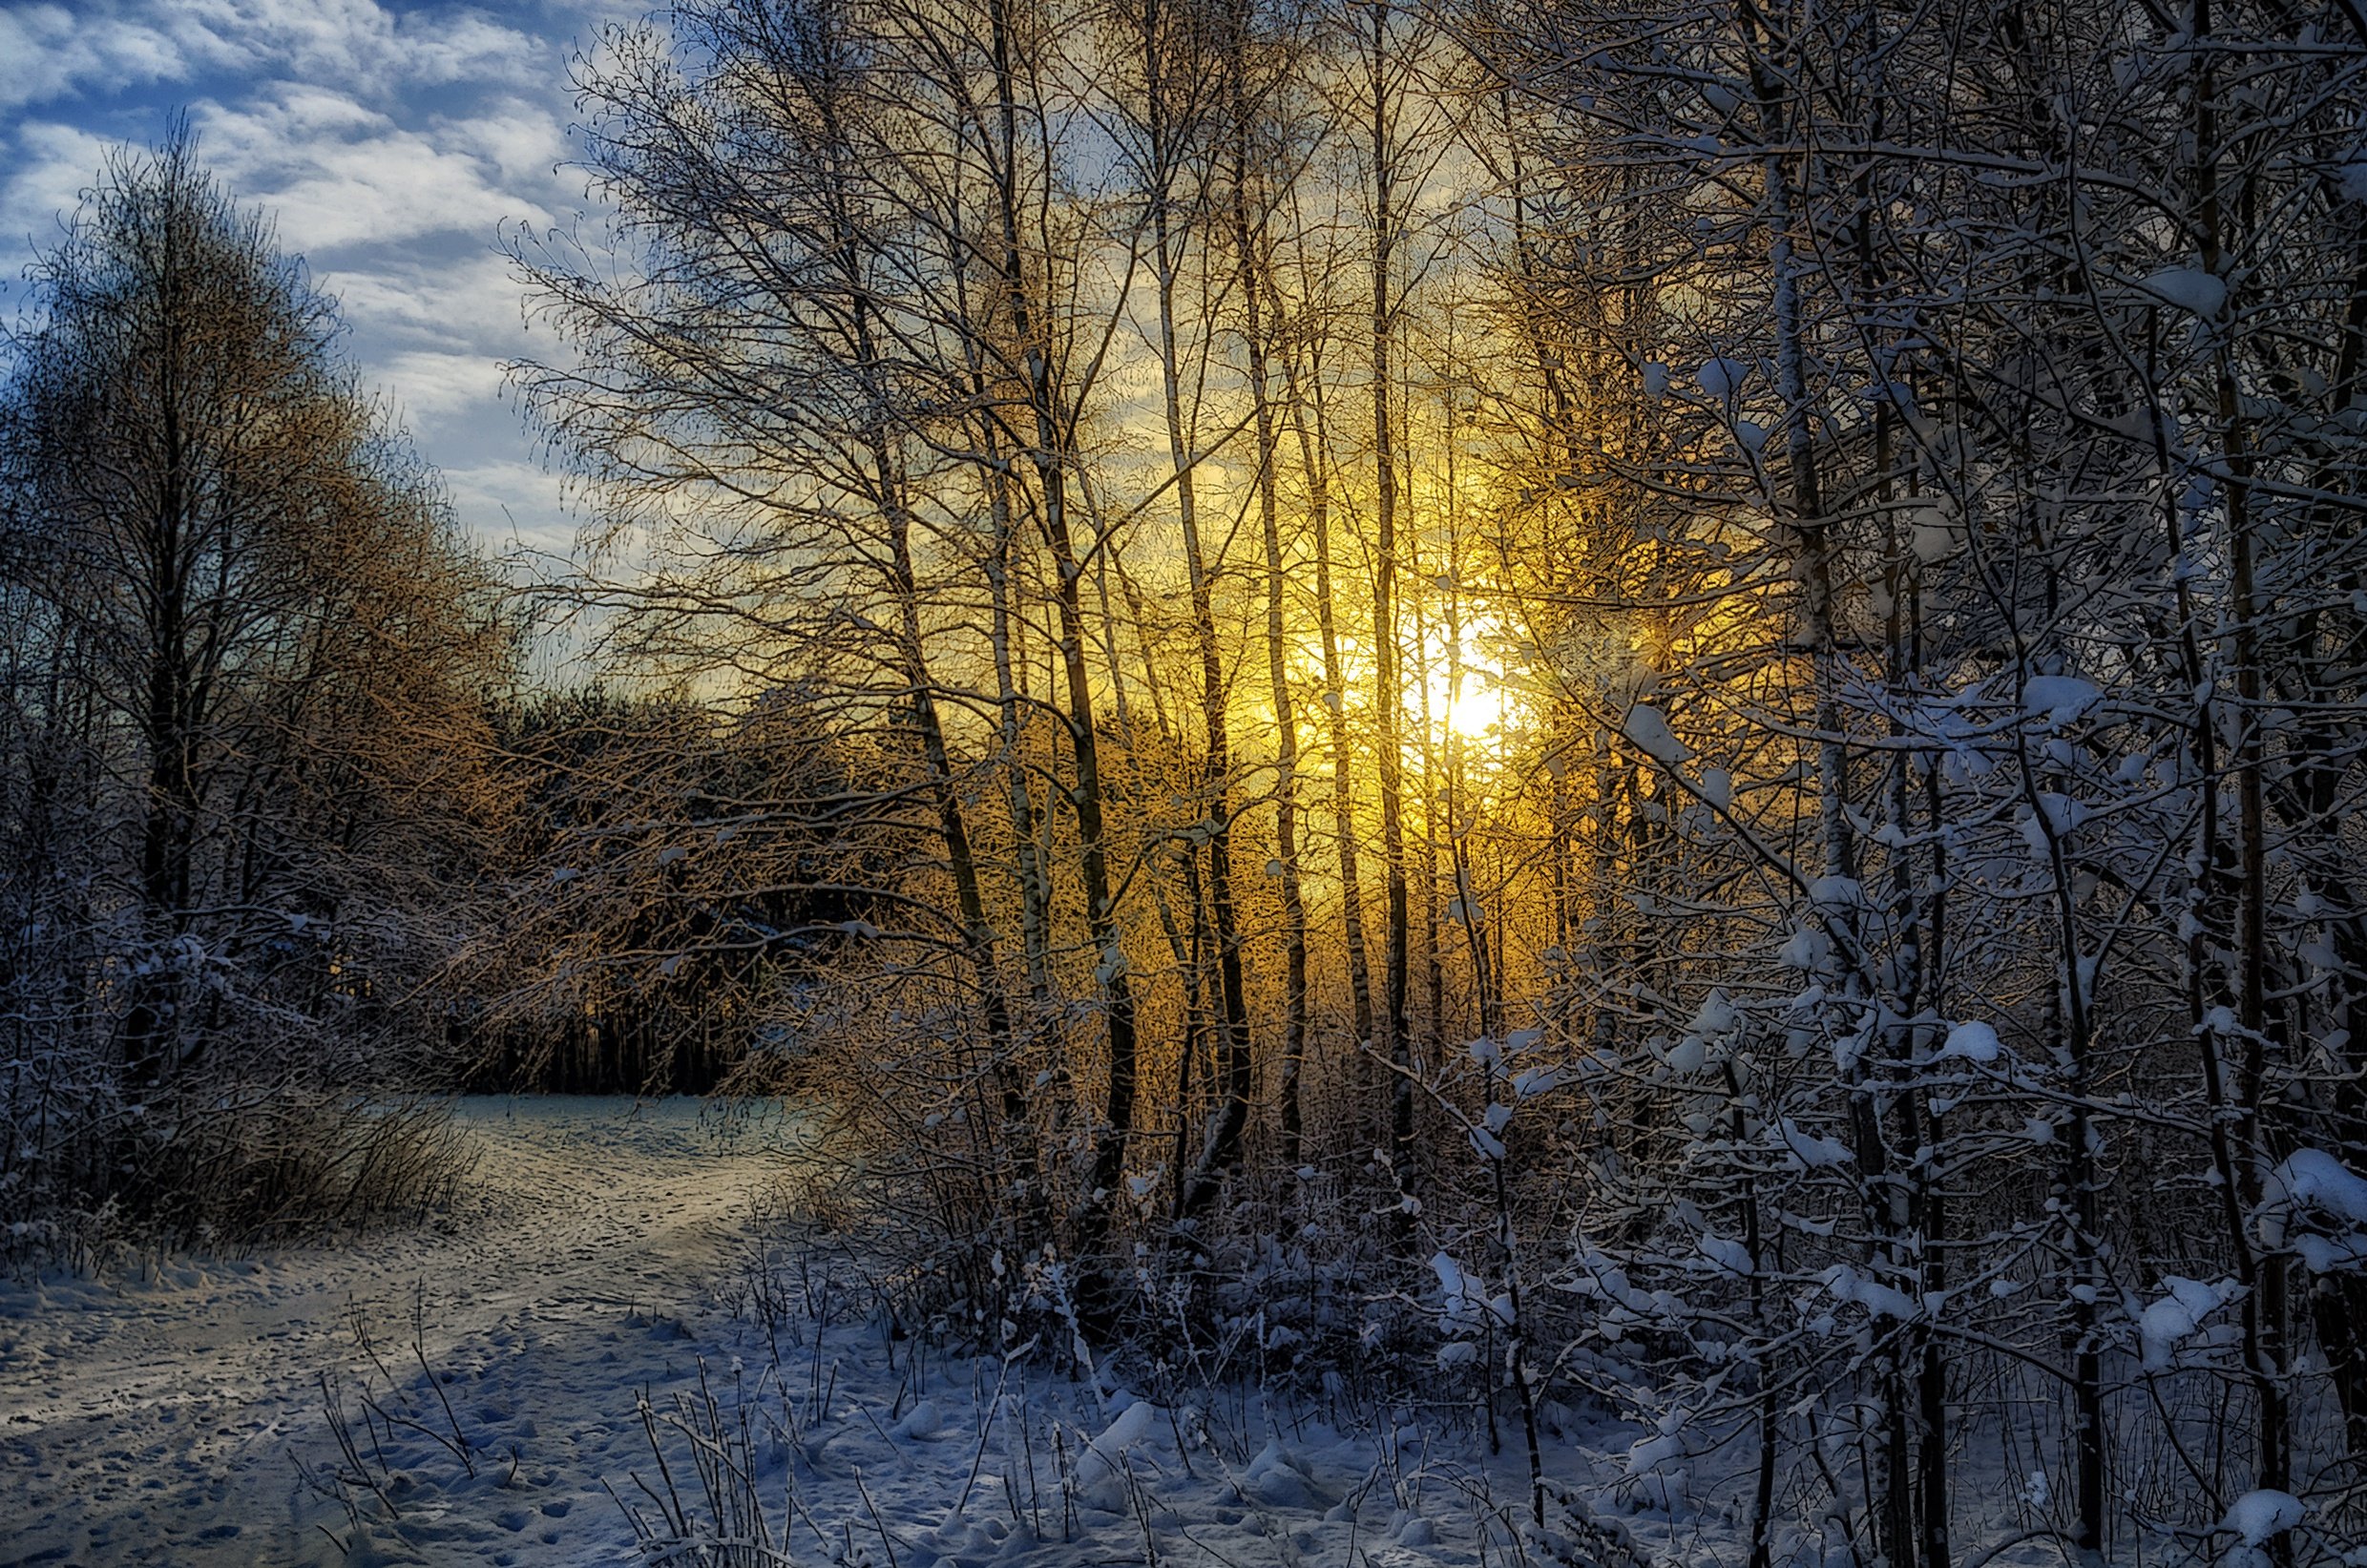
(172,1419)
(160,1419)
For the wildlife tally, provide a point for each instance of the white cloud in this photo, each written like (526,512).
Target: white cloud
(525,144)
(433,336)
(335,172)
(54,164)
(429,387)
(57,52)
(359,41)
(386,141)
(338,173)
(514,503)
(468,302)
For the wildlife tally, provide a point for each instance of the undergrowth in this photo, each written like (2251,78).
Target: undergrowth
(89,1181)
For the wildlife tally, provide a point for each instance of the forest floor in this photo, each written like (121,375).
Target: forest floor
(183,1415)
(190,1415)
(162,1418)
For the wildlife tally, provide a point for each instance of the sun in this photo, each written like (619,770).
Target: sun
(1473,713)
(1463,691)
(1468,694)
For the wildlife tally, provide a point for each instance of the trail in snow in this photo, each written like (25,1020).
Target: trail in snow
(160,1420)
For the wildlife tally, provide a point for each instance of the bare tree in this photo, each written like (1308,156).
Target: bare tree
(266,704)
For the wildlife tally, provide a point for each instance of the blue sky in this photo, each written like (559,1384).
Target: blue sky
(388,140)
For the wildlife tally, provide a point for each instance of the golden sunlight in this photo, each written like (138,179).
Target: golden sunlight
(1468,696)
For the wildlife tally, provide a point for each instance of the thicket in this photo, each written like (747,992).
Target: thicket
(246,661)
(668,874)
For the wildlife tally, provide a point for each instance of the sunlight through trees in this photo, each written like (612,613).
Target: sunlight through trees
(1606,701)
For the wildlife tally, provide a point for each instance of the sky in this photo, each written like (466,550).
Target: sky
(388,140)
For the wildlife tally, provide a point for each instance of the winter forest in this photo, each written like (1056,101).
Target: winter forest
(1422,781)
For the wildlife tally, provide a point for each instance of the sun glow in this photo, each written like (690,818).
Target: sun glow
(1463,691)
(1468,694)
(1474,712)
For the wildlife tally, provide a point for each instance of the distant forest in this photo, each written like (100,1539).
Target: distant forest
(1688,676)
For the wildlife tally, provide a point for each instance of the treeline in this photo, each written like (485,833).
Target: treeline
(244,661)
(276,806)
(1657,703)
(667,875)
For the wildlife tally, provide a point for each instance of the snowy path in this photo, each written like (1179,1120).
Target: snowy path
(161,1423)
(155,1423)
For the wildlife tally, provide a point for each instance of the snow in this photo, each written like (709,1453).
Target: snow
(1835,893)
(1650,1454)
(158,1419)
(2192,289)
(1104,1459)
(2317,1178)
(2168,1322)
(2058,699)
(1934,534)
(2259,1516)
(1531,1082)
(157,1422)
(1729,1255)
(596,1263)
(1721,378)
(1847,1283)
(1464,1300)
(1971,1041)
(1277,1479)
(2332,1254)
(923,1423)
(1649,730)
(2062,816)
(1811,1151)
(1452,1285)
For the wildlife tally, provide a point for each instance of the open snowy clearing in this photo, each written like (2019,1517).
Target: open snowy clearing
(183,1417)
(160,1419)
(192,1416)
